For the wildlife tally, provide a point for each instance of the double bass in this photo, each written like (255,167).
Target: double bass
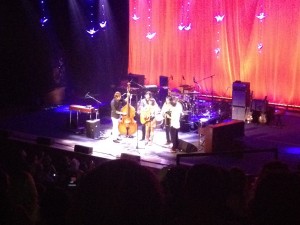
(128,125)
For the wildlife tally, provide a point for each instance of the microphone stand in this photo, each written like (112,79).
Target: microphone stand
(141,86)
(88,96)
(137,138)
(197,84)
(137,125)
(212,87)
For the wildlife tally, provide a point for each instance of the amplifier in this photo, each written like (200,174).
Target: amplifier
(93,128)
(221,137)
(241,94)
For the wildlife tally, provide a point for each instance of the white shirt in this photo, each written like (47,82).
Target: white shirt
(176,112)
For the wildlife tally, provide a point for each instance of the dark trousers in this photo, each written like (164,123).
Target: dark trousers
(174,138)
(143,131)
(168,133)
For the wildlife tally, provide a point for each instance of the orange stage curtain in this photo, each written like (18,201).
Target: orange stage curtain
(272,71)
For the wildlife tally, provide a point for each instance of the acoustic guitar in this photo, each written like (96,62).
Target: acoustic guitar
(148,112)
(249,116)
(263,117)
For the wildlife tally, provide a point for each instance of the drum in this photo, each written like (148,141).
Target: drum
(186,106)
(159,119)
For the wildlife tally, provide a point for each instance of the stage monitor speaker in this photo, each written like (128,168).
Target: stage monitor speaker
(136,79)
(83,149)
(241,94)
(221,136)
(238,113)
(163,81)
(135,158)
(44,141)
(186,146)
(92,128)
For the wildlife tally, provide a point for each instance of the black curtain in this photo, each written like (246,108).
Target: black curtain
(31,55)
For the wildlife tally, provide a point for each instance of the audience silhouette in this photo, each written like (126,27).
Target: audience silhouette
(38,188)
(118,192)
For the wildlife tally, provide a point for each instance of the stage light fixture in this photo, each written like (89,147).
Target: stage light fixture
(150,35)
(188,27)
(261,16)
(43,21)
(185,23)
(102,24)
(135,13)
(217,51)
(181,27)
(44,18)
(219,18)
(92,31)
(91,28)
(135,17)
(103,19)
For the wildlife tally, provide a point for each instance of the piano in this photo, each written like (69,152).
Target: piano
(82,109)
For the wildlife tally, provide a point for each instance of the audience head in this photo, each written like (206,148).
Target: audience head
(119,192)
(206,191)
(277,199)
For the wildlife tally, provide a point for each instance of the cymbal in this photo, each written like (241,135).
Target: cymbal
(185,86)
(175,94)
(192,92)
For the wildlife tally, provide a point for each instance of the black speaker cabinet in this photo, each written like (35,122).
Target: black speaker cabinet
(220,137)
(238,113)
(135,158)
(186,146)
(93,128)
(83,149)
(241,94)
(163,81)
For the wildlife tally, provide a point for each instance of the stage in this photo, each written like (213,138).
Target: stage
(259,144)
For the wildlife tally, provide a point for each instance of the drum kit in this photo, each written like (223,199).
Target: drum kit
(195,109)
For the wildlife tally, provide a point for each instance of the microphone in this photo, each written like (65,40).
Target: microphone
(183,78)
(171,77)
(87,95)
(194,80)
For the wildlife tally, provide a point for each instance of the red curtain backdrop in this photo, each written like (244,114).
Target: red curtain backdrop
(183,55)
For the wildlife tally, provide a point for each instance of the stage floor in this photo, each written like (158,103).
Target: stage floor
(53,123)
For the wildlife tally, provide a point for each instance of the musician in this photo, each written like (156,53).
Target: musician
(176,113)
(151,111)
(148,108)
(166,113)
(141,108)
(116,105)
